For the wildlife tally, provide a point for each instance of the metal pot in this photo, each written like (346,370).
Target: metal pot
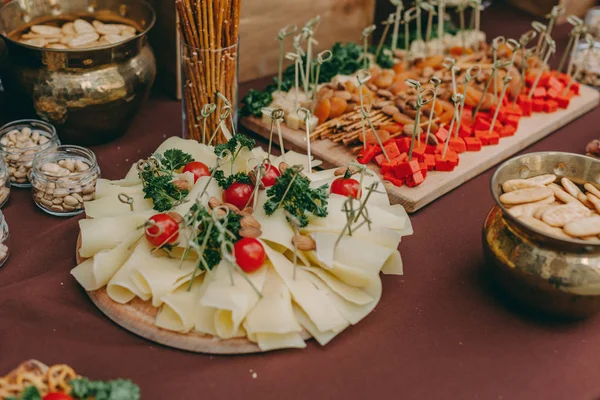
(90,95)
(560,277)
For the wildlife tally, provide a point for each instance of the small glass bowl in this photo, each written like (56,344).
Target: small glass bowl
(20,141)
(4,240)
(62,178)
(4,182)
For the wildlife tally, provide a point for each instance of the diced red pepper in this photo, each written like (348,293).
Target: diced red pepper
(473,144)
(444,164)
(366,156)
(543,79)
(508,130)
(387,168)
(429,160)
(380,159)
(491,139)
(526,105)
(555,84)
(466,130)
(512,120)
(552,93)
(423,169)
(442,134)
(393,180)
(513,111)
(575,87)
(392,149)
(562,101)
(481,132)
(563,78)
(467,115)
(482,123)
(430,149)
(538,105)
(419,151)
(458,145)
(539,93)
(406,168)
(550,106)
(415,179)
(403,144)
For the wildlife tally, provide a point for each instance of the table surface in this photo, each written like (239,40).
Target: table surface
(440,331)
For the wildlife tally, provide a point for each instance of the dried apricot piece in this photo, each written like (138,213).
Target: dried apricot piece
(322,110)
(384,136)
(338,107)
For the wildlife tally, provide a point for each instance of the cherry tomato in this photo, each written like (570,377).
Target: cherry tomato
(271,175)
(347,187)
(197,168)
(57,396)
(162,230)
(249,254)
(238,194)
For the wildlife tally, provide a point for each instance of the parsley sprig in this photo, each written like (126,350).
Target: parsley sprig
(224,182)
(234,146)
(157,175)
(84,389)
(292,191)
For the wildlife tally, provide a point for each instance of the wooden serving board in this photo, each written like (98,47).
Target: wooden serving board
(531,129)
(138,316)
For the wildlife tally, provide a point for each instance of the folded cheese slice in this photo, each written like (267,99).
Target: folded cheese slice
(99,234)
(179,309)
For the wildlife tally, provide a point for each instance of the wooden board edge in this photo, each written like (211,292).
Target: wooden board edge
(124,315)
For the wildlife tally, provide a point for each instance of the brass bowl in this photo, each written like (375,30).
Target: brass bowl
(556,276)
(90,95)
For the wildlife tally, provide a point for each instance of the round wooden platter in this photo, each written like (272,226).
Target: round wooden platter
(138,316)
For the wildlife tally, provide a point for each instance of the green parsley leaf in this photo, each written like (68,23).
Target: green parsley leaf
(160,188)
(292,191)
(174,159)
(225,182)
(119,389)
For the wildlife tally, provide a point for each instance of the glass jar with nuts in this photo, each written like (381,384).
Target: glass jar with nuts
(63,178)
(20,141)
(4,182)
(4,240)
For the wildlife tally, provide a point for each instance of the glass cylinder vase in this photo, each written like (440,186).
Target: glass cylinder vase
(210,92)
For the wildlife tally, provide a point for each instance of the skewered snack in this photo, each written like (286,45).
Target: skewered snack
(33,380)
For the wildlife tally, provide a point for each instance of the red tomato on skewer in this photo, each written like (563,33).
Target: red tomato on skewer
(197,168)
(271,175)
(163,229)
(249,254)
(346,186)
(238,194)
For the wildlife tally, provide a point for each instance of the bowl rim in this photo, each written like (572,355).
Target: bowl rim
(514,220)
(139,35)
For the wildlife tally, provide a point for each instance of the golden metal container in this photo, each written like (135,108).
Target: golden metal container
(559,277)
(90,95)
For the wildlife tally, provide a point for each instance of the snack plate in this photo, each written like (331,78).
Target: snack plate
(138,317)
(531,129)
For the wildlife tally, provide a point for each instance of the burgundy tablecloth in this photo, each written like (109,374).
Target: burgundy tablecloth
(439,332)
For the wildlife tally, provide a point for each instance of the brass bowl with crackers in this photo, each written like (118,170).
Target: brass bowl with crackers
(542,238)
(86,82)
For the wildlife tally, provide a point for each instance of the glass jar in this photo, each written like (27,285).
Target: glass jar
(20,141)
(63,178)
(4,240)
(4,182)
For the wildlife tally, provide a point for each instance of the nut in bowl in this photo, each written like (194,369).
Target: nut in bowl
(20,141)
(542,237)
(63,178)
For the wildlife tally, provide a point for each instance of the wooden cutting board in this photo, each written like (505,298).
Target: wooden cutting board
(531,129)
(138,316)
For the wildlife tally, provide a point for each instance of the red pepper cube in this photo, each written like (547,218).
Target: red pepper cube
(508,130)
(550,106)
(406,168)
(429,160)
(480,132)
(562,101)
(423,169)
(443,164)
(442,134)
(466,130)
(403,144)
(539,93)
(415,179)
(458,145)
(552,93)
(393,180)
(430,149)
(391,150)
(491,139)
(526,105)
(575,88)
(563,78)
(497,126)
(512,120)
(538,105)
(516,110)
(482,123)
(473,144)
(368,154)
(380,159)
(467,115)
(419,151)
(387,168)
(554,83)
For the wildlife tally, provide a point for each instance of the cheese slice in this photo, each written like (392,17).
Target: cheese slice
(322,337)
(106,233)
(274,341)
(199,152)
(212,190)
(349,293)
(312,300)
(273,312)
(121,287)
(233,300)
(156,277)
(95,272)
(393,265)
(110,206)
(106,188)
(178,311)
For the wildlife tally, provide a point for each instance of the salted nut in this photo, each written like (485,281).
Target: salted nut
(250,232)
(181,184)
(176,216)
(214,202)
(283,166)
(304,243)
(249,222)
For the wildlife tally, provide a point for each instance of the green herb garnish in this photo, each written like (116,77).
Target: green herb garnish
(225,182)
(157,175)
(119,389)
(292,191)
